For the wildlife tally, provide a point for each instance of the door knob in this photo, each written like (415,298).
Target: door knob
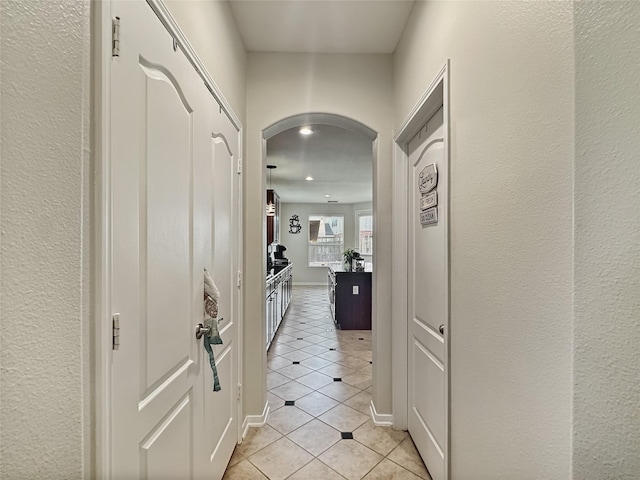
(441,329)
(201,330)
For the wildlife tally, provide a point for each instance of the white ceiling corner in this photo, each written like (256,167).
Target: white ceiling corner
(321,26)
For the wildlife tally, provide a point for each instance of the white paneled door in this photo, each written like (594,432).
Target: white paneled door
(428,295)
(174,211)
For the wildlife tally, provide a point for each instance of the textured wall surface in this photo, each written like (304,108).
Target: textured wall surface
(510,226)
(44,91)
(607,241)
(355,86)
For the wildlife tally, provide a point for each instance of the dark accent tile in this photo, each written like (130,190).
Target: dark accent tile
(289,403)
(337,379)
(370,362)
(296,363)
(303,323)
(299,338)
(332,349)
(347,435)
(360,338)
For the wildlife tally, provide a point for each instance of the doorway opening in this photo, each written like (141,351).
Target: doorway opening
(318,207)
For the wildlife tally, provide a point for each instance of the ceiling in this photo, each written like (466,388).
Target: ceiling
(339,160)
(321,26)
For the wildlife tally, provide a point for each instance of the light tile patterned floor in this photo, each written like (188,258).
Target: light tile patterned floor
(324,376)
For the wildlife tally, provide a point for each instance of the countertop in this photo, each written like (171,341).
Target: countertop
(339,268)
(272,272)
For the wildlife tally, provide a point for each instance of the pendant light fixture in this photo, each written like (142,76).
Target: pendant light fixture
(271,206)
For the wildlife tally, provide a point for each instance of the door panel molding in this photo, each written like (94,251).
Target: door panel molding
(172,26)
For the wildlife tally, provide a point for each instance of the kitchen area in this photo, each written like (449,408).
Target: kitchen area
(316,258)
(319,208)
(279,282)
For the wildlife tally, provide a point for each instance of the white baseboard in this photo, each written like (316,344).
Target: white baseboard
(379,419)
(310,284)
(255,420)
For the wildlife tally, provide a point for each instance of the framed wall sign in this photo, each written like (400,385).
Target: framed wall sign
(428,178)
(429,217)
(429,200)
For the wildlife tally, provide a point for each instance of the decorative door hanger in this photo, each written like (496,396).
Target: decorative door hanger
(428,178)
(429,216)
(427,183)
(429,200)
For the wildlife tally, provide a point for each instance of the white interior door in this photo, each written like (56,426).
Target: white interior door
(174,212)
(221,409)
(428,300)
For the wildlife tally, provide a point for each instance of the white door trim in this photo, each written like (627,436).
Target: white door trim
(435,96)
(102,338)
(102,234)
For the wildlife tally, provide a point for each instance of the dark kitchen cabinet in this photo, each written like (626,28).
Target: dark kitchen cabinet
(273,221)
(350,298)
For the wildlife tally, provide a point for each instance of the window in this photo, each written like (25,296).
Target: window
(326,239)
(364,229)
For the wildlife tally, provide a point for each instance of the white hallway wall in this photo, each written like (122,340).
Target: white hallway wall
(510,226)
(606,404)
(282,85)
(45,211)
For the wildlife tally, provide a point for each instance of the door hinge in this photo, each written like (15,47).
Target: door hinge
(115,37)
(239,282)
(239,391)
(239,166)
(115,329)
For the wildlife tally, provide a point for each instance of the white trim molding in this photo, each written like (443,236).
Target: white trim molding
(399,307)
(255,420)
(102,231)
(380,419)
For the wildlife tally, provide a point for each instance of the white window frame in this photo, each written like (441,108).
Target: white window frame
(358,214)
(309,244)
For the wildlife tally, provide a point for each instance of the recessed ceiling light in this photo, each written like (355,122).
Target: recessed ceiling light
(309,178)
(305,131)
(327,196)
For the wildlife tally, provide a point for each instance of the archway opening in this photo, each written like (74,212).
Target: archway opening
(319,204)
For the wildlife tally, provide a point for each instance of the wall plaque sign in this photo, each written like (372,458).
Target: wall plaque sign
(429,217)
(428,178)
(429,200)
